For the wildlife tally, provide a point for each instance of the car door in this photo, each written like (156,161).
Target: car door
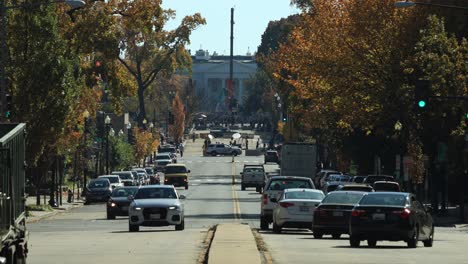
(420,216)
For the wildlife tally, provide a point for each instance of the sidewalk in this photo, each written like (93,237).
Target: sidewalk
(234,243)
(35,216)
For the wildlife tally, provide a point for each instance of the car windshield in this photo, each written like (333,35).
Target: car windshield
(171,149)
(163,157)
(99,184)
(342,198)
(156,193)
(304,195)
(357,188)
(384,199)
(281,184)
(175,169)
(254,170)
(358,179)
(149,171)
(112,179)
(123,176)
(124,192)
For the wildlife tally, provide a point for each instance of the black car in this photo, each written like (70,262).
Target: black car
(331,216)
(118,202)
(355,187)
(373,178)
(98,190)
(358,179)
(391,216)
(271,156)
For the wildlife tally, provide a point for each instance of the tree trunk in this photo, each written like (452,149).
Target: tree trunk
(141,102)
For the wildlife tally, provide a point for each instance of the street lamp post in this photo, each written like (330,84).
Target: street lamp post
(107,121)
(3,9)
(129,131)
(85,169)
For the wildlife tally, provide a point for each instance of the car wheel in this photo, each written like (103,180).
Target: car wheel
(371,242)
(214,153)
(258,189)
(263,223)
(186,187)
(133,228)
(413,241)
(242,187)
(336,236)
(181,226)
(87,203)
(430,241)
(276,228)
(354,241)
(317,234)
(110,216)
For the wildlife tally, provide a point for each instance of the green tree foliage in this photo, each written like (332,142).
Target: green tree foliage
(123,155)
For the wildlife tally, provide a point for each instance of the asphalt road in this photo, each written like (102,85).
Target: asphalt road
(84,235)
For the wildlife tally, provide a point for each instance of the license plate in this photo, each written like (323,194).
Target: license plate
(337,213)
(124,208)
(303,208)
(378,216)
(155,216)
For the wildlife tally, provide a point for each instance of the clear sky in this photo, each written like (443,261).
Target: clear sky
(251,18)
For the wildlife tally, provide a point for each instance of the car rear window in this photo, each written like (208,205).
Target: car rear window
(281,184)
(359,189)
(386,187)
(123,176)
(163,157)
(304,195)
(342,198)
(175,169)
(124,192)
(384,199)
(99,184)
(254,170)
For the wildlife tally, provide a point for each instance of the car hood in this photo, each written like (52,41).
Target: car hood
(156,202)
(98,189)
(120,199)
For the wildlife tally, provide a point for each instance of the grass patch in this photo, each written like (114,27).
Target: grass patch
(42,207)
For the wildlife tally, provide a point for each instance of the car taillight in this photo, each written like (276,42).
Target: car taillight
(404,214)
(265,198)
(185,180)
(286,204)
(166,179)
(357,213)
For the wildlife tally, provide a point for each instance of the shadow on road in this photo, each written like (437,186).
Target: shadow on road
(377,247)
(143,231)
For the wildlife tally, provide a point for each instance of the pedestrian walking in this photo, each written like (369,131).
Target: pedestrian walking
(193,137)
(246,144)
(258,143)
(181,150)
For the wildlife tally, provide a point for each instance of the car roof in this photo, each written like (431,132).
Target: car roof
(121,172)
(176,165)
(100,179)
(346,191)
(386,182)
(106,176)
(157,186)
(390,193)
(127,187)
(289,177)
(302,190)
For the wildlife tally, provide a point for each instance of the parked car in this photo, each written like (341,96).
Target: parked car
(154,177)
(273,189)
(319,179)
(272,156)
(373,178)
(332,215)
(118,203)
(294,208)
(355,187)
(358,179)
(162,160)
(177,175)
(333,181)
(253,176)
(114,180)
(156,205)
(98,190)
(391,216)
(126,177)
(223,149)
(386,186)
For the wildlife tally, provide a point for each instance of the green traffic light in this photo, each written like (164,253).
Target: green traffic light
(421,103)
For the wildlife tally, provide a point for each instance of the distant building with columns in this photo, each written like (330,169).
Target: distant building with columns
(210,74)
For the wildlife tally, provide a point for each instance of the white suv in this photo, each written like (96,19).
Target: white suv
(114,180)
(273,189)
(223,149)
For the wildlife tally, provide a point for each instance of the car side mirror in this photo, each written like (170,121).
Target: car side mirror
(267,173)
(188,171)
(273,200)
(130,197)
(241,173)
(182,197)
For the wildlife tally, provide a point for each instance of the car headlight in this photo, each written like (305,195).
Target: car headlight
(136,208)
(113,204)
(173,208)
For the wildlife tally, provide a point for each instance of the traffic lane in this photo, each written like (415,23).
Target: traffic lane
(299,246)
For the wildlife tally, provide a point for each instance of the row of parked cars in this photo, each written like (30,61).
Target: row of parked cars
(293,202)
(329,180)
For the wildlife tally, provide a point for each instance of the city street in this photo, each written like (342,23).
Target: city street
(84,233)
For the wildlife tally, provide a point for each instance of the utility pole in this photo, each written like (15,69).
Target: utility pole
(231,65)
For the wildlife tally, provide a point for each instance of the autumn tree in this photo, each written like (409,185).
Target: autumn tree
(177,129)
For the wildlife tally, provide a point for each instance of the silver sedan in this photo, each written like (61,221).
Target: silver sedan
(295,208)
(156,205)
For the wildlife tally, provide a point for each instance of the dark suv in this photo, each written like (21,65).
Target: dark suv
(98,190)
(272,156)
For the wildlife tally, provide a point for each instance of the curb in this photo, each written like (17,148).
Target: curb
(35,219)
